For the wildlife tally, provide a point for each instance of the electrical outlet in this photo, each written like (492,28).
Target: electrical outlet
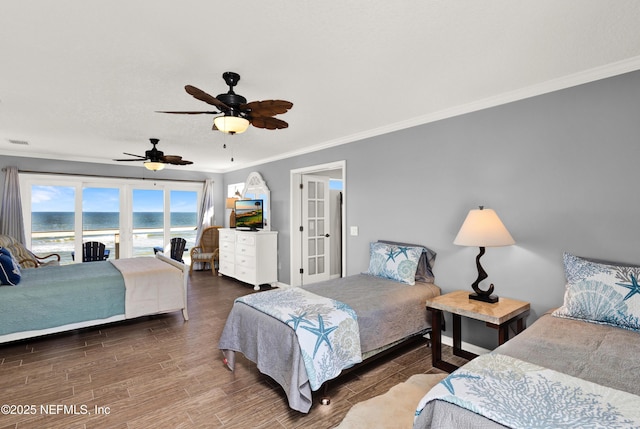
(354,231)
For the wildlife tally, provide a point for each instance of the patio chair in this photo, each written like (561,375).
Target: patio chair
(94,251)
(175,249)
(25,257)
(207,249)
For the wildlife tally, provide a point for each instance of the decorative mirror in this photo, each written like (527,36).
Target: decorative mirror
(255,188)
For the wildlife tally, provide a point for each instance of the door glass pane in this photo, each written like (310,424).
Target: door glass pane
(320,246)
(311,190)
(184,218)
(312,247)
(320,266)
(148,221)
(320,227)
(312,266)
(312,228)
(320,191)
(320,208)
(101,218)
(53,221)
(312,209)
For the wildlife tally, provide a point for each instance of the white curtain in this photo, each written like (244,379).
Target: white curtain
(11,221)
(206,215)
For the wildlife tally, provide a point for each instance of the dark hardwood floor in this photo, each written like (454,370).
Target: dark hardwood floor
(162,372)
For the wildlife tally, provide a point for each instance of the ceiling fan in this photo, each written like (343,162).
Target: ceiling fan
(236,113)
(156,159)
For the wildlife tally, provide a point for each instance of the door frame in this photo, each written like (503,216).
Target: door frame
(296,214)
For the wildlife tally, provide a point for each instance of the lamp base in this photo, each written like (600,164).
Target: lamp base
(492,299)
(232,219)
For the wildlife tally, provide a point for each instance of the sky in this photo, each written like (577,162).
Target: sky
(61,199)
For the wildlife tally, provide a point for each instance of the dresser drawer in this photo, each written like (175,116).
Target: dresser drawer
(245,249)
(227,257)
(245,274)
(247,239)
(227,268)
(225,235)
(246,261)
(227,247)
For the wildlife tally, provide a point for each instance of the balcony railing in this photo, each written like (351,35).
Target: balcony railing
(144,240)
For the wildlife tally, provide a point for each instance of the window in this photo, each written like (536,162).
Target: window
(130,218)
(184,216)
(53,220)
(101,217)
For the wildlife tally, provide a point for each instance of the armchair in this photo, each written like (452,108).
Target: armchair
(207,249)
(25,257)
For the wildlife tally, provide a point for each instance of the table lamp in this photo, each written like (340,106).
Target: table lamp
(231,204)
(483,228)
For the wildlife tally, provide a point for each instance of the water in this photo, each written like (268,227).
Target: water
(52,232)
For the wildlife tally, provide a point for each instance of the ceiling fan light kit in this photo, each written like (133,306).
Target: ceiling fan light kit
(231,124)
(154,166)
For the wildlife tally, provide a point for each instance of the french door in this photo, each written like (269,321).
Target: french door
(316,237)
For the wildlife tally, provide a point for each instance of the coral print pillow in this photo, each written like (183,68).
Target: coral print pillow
(601,293)
(397,263)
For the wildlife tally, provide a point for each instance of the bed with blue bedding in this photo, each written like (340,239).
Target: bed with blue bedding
(58,298)
(379,313)
(574,367)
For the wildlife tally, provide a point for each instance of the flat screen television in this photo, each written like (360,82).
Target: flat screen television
(249,214)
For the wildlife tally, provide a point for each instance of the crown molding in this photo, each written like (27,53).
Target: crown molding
(553,85)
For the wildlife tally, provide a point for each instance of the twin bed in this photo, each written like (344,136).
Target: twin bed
(574,367)
(60,298)
(389,306)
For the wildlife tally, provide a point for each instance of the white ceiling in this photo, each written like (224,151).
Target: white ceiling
(81,80)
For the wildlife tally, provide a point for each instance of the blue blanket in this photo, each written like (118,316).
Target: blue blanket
(53,296)
(519,394)
(327,329)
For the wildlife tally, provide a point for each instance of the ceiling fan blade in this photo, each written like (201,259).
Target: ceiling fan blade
(213,112)
(133,154)
(182,162)
(267,107)
(129,159)
(207,98)
(269,123)
(175,159)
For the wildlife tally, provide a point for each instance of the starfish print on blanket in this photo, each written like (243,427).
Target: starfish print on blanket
(297,320)
(322,333)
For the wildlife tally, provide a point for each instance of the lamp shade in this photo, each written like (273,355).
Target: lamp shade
(231,203)
(231,124)
(483,228)
(154,166)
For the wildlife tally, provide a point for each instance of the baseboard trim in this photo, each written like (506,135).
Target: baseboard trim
(466,346)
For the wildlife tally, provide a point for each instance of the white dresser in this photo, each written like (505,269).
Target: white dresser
(249,256)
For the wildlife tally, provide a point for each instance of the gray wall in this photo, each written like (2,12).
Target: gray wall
(559,169)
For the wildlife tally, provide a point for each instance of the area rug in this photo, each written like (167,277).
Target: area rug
(394,409)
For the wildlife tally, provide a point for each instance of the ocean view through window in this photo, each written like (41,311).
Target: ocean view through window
(130,222)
